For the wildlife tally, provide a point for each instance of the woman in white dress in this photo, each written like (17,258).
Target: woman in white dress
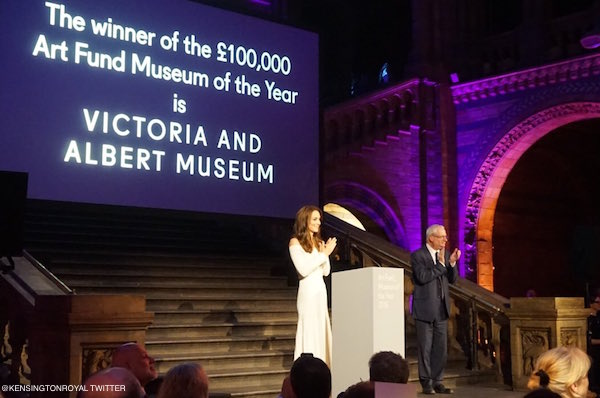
(310,255)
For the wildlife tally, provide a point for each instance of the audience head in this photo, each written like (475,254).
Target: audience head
(187,380)
(562,370)
(530,293)
(134,357)
(389,367)
(364,389)
(310,377)
(126,385)
(595,302)
(286,388)
(542,393)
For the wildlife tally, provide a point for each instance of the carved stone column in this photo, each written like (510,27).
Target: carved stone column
(540,323)
(73,336)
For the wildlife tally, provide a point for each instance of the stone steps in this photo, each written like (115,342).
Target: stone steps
(224,329)
(232,316)
(212,284)
(159,290)
(221,345)
(134,271)
(223,362)
(179,262)
(161,303)
(81,226)
(172,282)
(255,393)
(217,298)
(248,381)
(134,248)
(42,219)
(110,234)
(72,254)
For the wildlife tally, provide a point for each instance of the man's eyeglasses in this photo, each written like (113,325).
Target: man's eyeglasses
(441,236)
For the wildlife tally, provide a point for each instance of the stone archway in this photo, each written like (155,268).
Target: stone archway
(367,201)
(487,185)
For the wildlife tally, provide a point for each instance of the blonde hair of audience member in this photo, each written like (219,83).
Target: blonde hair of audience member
(187,380)
(562,370)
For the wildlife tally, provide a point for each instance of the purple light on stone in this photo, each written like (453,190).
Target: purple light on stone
(369,202)
(454,77)
(591,40)
(261,2)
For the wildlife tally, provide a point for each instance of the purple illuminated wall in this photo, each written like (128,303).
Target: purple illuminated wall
(497,120)
(375,148)
(405,160)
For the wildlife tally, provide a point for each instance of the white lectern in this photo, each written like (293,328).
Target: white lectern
(367,317)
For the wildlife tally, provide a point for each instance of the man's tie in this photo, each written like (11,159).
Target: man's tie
(437,260)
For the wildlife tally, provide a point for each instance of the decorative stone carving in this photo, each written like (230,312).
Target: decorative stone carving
(508,143)
(17,339)
(534,343)
(531,78)
(569,337)
(24,369)
(95,359)
(6,349)
(540,323)
(365,120)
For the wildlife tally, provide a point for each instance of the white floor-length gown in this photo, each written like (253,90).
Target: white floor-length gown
(314,328)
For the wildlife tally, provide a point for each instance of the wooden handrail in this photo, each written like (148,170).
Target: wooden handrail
(394,256)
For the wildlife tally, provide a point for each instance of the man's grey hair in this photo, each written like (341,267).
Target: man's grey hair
(431,230)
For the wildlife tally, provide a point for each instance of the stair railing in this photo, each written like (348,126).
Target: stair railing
(481,320)
(21,289)
(51,336)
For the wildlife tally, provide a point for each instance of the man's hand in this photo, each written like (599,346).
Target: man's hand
(454,257)
(442,256)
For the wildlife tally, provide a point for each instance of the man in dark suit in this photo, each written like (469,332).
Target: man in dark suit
(433,269)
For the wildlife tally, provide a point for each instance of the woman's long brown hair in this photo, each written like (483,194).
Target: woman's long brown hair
(301,231)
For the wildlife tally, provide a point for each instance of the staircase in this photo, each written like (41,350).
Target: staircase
(219,295)
(216,284)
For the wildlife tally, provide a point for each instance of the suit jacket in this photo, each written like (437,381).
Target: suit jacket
(425,277)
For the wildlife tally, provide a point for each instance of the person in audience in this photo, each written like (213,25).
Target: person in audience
(310,255)
(594,342)
(385,366)
(530,293)
(286,389)
(134,357)
(188,380)
(310,377)
(541,393)
(114,382)
(389,367)
(563,370)
(363,389)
